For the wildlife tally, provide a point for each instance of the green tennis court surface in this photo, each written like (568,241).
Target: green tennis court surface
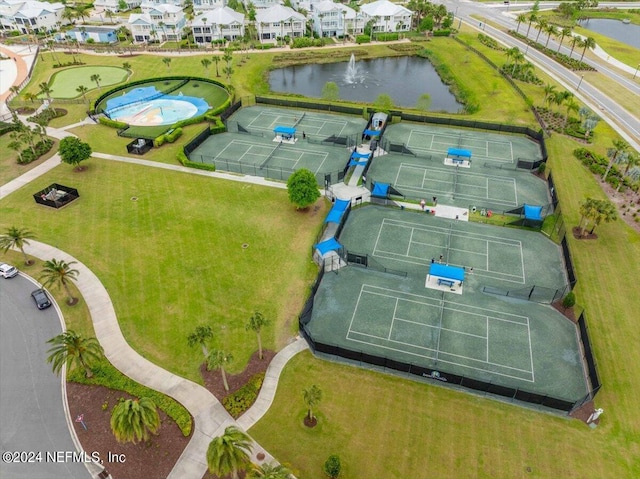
(315,125)
(496,148)
(504,341)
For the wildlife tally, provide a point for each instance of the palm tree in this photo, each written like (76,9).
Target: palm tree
(548,91)
(229,453)
(255,324)
(312,396)
(606,211)
(532,18)
(83,91)
(520,18)
(588,211)
(134,420)
(200,336)
(127,66)
(16,146)
(167,62)
(574,41)
(206,63)
(216,60)
(541,24)
(72,350)
(59,272)
(217,359)
(633,160)
(589,43)
(620,147)
(96,78)
(16,238)
(516,55)
(565,32)
(551,30)
(46,90)
(571,105)
(269,471)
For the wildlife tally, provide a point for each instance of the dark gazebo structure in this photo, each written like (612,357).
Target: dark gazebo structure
(56,196)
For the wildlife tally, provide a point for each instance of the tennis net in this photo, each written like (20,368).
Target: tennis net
(273,152)
(299,120)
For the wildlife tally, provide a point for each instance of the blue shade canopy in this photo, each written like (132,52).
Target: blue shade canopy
(533,212)
(284,129)
(355,154)
(446,271)
(371,132)
(328,245)
(337,211)
(380,190)
(459,152)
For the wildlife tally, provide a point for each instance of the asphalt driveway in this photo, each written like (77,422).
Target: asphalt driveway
(34,437)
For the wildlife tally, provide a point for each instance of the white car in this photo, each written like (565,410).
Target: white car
(7,271)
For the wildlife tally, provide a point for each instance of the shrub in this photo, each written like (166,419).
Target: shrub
(362,39)
(489,42)
(442,33)
(104,374)
(542,168)
(237,403)
(387,37)
(45,116)
(103,120)
(569,300)
(159,141)
(332,466)
(41,148)
(172,135)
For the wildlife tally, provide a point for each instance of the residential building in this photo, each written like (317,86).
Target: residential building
(157,23)
(387,16)
(30,15)
(203,5)
(219,24)
(335,19)
(261,4)
(279,21)
(114,5)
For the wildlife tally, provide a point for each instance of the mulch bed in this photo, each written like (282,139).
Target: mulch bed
(156,458)
(584,412)
(586,236)
(567,312)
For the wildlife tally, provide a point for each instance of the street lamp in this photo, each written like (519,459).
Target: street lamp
(634,75)
(580,82)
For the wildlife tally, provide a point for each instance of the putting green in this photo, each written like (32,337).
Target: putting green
(64,83)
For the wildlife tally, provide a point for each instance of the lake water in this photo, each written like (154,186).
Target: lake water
(623,32)
(402,78)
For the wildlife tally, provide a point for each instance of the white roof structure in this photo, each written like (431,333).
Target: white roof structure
(218,16)
(28,8)
(328,6)
(384,8)
(162,9)
(278,13)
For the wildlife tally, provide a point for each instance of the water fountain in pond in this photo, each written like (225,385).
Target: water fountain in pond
(353,75)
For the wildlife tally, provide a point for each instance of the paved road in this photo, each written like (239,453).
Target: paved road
(32,416)
(596,99)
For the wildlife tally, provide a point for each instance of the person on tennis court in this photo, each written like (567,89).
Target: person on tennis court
(422,203)
(441,257)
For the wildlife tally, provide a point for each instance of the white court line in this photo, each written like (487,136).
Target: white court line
(444,329)
(522,264)
(487,256)
(533,377)
(484,370)
(511,147)
(393,318)
(487,347)
(353,316)
(410,238)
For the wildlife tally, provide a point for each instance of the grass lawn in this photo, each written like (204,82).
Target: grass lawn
(64,82)
(9,167)
(173,259)
(415,430)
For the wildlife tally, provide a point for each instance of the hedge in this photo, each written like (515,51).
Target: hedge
(363,39)
(104,374)
(442,33)
(387,37)
(27,155)
(237,403)
(103,120)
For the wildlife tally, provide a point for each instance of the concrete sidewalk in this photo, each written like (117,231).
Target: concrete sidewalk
(210,417)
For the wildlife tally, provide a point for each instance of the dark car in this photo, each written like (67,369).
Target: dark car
(41,298)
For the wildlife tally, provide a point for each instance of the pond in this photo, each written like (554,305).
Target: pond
(405,79)
(623,32)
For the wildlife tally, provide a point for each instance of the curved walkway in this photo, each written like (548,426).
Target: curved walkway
(210,417)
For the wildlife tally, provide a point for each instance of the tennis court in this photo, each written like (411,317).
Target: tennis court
(263,152)
(503,341)
(498,149)
(458,183)
(314,125)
